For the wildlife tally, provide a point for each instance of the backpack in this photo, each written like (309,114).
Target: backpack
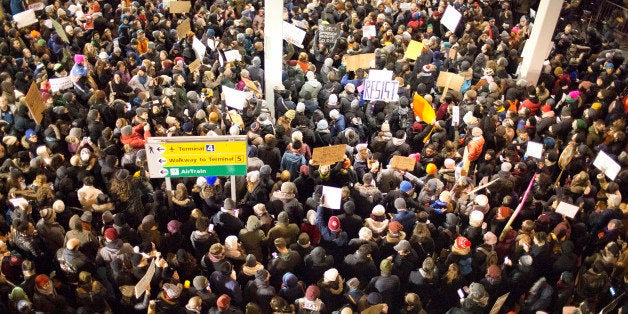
(465,266)
(491,257)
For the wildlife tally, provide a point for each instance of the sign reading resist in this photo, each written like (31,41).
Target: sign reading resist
(381,90)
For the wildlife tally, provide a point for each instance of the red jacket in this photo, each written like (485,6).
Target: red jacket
(474,147)
(136,140)
(533,107)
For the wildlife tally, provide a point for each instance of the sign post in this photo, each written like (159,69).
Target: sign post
(196,156)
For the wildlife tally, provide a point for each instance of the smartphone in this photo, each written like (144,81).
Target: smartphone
(236,212)
(612,291)
(461,293)
(506,259)
(275,255)
(210,228)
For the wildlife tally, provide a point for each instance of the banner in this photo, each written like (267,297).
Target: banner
(450,80)
(62,83)
(293,34)
(567,209)
(380,90)
(195,65)
(300,24)
(327,34)
(141,285)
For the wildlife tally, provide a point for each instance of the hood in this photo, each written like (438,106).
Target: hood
(75,223)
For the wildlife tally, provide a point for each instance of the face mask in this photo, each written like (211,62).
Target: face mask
(85,155)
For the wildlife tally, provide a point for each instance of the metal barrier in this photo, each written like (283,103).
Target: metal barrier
(615,15)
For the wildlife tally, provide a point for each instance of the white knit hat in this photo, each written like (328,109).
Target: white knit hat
(331,275)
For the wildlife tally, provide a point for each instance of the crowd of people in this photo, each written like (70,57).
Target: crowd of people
(85,229)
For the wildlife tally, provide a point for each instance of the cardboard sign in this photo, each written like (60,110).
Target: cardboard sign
(62,83)
(450,80)
(362,61)
(235,98)
(293,34)
(380,75)
(35,103)
(183,28)
(607,165)
(60,31)
(567,209)
(333,197)
(403,163)
(195,65)
(414,50)
(369,31)
(140,287)
(380,90)
(499,303)
(451,18)
(328,155)
(327,34)
(198,48)
(25,18)
(180,6)
(534,149)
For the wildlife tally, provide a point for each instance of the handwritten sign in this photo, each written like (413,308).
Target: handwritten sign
(567,209)
(499,303)
(607,165)
(35,103)
(451,18)
(327,34)
(183,28)
(534,149)
(403,163)
(62,83)
(381,90)
(333,197)
(369,31)
(235,98)
(180,6)
(293,34)
(141,285)
(414,50)
(327,155)
(362,61)
(404,6)
(198,48)
(450,80)
(25,18)
(455,115)
(381,75)
(195,65)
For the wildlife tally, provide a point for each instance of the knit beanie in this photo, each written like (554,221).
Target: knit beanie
(312,292)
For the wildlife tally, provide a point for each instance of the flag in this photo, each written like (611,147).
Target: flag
(423,109)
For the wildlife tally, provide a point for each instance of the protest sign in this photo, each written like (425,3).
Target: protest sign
(198,48)
(380,90)
(195,65)
(180,6)
(567,209)
(499,303)
(327,155)
(333,197)
(35,103)
(141,285)
(450,80)
(36,6)
(233,55)
(369,31)
(380,75)
(451,18)
(235,98)
(403,163)
(25,18)
(534,149)
(62,83)
(327,34)
(607,165)
(362,61)
(455,115)
(414,50)
(405,6)
(293,34)
(183,28)
(60,31)
(300,24)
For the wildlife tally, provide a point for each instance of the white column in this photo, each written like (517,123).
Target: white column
(273,50)
(538,46)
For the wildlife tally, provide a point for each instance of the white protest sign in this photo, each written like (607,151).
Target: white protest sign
(141,285)
(293,34)
(381,90)
(369,31)
(62,83)
(607,165)
(25,18)
(199,48)
(300,24)
(234,98)
(567,209)
(380,75)
(37,6)
(212,43)
(455,115)
(532,13)
(16,202)
(534,149)
(451,18)
(166,3)
(333,197)
(233,55)
(405,6)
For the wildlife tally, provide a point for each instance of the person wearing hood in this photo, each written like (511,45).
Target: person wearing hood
(50,230)
(91,294)
(539,298)
(259,290)
(285,260)
(255,193)
(225,221)
(200,289)
(86,238)
(386,284)
(71,260)
(474,302)
(252,236)
(249,269)
(283,229)
(46,299)
(291,288)
(332,287)
(360,264)
(114,248)
(292,160)
(310,303)
(312,85)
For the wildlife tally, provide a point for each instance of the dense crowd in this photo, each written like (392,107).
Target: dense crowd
(83,223)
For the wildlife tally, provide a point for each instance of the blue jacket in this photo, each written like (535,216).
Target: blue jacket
(407,218)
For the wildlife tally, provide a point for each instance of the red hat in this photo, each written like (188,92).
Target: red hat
(41,280)
(394,227)
(334,223)
(223,302)
(111,234)
(312,292)
(462,243)
(546,108)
